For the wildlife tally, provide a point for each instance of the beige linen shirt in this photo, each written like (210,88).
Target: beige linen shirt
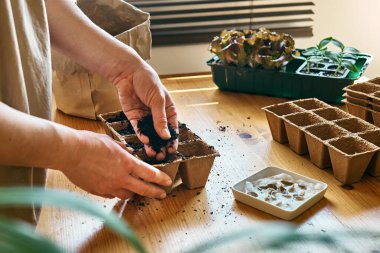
(25,82)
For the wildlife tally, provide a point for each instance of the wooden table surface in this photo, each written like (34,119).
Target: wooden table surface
(187,217)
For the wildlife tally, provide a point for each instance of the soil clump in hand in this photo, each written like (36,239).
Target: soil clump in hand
(146,127)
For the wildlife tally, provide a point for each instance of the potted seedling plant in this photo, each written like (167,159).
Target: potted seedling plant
(321,62)
(268,63)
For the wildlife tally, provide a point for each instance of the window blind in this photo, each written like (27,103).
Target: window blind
(197,21)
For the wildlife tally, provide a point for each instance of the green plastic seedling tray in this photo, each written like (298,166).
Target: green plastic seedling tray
(285,82)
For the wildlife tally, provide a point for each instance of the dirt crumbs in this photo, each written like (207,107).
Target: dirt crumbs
(146,127)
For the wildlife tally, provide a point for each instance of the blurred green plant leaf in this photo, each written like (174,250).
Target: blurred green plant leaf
(23,196)
(16,237)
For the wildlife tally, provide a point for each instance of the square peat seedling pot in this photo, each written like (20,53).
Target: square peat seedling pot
(376,117)
(374,138)
(240,193)
(332,113)
(198,159)
(185,134)
(294,125)
(355,125)
(111,117)
(316,137)
(359,111)
(311,104)
(350,157)
(285,82)
(274,114)
(362,90)
(169,166)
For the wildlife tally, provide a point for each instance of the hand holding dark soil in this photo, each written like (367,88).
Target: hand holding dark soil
(146,127)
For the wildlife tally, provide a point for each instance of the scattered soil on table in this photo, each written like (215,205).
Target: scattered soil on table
(146,127)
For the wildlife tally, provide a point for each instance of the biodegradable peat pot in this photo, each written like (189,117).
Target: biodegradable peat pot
(376,98)
(274,115)
(185,134)
(355,125)
(316,137)
(374,138)
(294,125)
(332,113)
(359,111)
(133,142)
(110,117)
(376,117)
(350,157)
(311,104)
(198,158)
(357,101)
(169,166)
(361,90)
(375,80)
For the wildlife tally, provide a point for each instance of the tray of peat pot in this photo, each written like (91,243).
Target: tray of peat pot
(285,82)
(294,125)
(169,166)
(357,101)
(111,117)
(279,192)
(350,157)
(197,160)
(355,125)
(362,90)
(376,101)
(310,104)
(121,129)
(274,115)
(331,113)
(373,137)
(359,111)
(133,142)
(185,134)
(316,137)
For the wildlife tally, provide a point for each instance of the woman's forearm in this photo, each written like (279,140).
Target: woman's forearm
(76,36)
(29,141)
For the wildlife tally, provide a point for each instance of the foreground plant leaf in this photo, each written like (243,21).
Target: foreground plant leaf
(278,236)
(16,237)
(23,196)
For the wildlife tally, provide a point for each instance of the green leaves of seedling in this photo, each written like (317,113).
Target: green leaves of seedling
(316,54)
(349,65)
(323,43)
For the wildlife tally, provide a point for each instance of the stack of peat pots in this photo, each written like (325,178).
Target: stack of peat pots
(363,100)
(192,163)
(331,136)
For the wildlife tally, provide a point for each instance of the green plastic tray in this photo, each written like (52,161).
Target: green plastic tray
(285,82)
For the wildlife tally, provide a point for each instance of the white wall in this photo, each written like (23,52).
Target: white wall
(356,23)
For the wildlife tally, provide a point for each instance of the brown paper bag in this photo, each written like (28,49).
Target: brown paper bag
(81,93)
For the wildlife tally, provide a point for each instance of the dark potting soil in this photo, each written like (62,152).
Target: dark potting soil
(135,146)
(127,130)
(146,127)
(120,117)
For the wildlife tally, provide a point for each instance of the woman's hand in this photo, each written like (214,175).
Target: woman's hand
(142,93)
(103,167)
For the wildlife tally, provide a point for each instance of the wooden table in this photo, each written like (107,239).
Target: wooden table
(187,217)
